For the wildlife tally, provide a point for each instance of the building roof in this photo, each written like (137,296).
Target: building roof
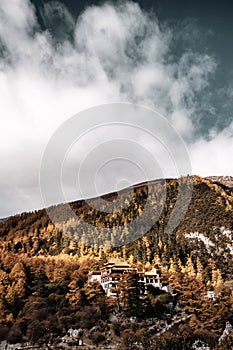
(153,272)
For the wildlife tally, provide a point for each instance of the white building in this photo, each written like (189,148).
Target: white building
(95,276)
(210,295)
(200,345)
(227,331)
(150,278)
(73,336)
(114,271)
(110,275)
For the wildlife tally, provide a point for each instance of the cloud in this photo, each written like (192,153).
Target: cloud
(58,21)
(109,53)
(213,156)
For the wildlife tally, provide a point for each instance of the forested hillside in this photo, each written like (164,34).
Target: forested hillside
(205,232)
(44,269)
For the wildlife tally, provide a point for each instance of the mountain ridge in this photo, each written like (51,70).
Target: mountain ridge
(225,180)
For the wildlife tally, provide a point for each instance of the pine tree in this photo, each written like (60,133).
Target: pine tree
(199,274)
(218,282)
(16,290)
(172,267)
(189,268)
(76,296)
(94,293)
(181,266)
(130,295)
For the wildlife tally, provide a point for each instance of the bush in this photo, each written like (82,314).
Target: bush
(97,338)
(15,335)
(88,317)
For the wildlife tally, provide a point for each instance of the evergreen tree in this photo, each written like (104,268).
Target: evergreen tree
(199,269)
(189,268)
(131,295)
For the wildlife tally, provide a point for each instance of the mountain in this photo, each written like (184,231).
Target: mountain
(182,227)
(224,180)
(204,232)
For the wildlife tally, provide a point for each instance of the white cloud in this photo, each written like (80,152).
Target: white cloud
(119,53)
(214,156)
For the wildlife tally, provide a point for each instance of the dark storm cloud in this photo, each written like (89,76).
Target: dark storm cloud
(57,20)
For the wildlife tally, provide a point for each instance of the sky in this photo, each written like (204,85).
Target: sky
(59,58)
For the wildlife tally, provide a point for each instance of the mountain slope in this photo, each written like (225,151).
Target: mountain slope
(206,230)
